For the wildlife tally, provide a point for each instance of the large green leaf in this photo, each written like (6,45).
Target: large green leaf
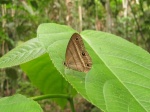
(119,78)
(19,103)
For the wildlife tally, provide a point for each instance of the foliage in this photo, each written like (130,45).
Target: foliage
(19,102)
(119,75)
(19,21)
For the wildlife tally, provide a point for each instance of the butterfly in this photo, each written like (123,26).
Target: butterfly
(77,58)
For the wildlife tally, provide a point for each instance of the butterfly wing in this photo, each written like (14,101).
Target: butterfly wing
(77,58)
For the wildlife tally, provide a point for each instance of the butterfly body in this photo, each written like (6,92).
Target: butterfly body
(77,58)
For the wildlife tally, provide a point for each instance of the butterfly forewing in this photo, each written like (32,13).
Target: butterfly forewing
(77,58)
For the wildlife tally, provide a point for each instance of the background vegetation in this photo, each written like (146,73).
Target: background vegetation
(19,21)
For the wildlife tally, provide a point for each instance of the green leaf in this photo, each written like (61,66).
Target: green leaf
(19,103)
(119,78)
(23,53)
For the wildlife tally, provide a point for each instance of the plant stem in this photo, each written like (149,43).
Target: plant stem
(67,97)
(50,96)
(70,99)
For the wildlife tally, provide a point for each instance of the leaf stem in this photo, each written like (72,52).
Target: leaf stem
(37,98)
(69,98)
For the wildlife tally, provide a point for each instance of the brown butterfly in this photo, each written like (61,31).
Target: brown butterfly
(77,58)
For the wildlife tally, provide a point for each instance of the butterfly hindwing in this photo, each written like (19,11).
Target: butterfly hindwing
(77,58)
